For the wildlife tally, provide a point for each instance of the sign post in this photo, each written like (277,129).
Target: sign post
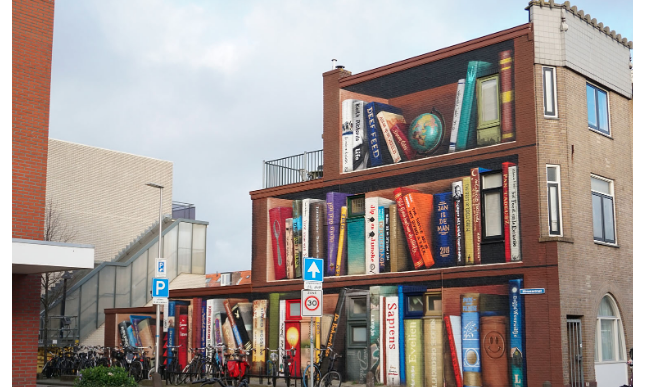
(311,302)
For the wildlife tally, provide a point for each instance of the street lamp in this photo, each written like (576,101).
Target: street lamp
(153,185)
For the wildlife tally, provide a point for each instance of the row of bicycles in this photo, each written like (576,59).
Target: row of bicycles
(211,365)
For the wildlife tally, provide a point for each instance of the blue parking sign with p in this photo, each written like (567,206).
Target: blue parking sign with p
(160,287)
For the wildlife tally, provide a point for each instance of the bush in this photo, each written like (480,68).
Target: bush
(103,376)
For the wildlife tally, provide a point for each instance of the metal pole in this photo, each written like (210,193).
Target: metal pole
(158,314)
(311,350)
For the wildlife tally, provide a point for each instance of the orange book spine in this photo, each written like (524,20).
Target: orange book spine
(419,207)
(415,254)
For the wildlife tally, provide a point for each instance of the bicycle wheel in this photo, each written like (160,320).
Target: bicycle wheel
(136,370)
(331,379)
(172,372)
(103,362)
(305,376)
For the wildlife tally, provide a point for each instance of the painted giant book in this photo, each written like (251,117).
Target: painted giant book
(277,218)
(516,304)
(378,151)
(443,232)
(414,374)
(335,202)
(372,252)
(470,340)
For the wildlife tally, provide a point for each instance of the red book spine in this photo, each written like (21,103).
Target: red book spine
(399,133)
(182,352)
(277,217)
(419,208)
(477,218)
(197,322)
(417,260)
(507,220)
(506,86)
(453,351)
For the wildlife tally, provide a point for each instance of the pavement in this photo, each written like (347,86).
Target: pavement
(255,382)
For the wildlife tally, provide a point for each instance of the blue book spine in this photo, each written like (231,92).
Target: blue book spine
(381,239)
(470,345)
(467,107)
(517,335)
(401,336)
(355,246)
(204,327)
(171,328)
(443,232)
(131,339)
(378,151)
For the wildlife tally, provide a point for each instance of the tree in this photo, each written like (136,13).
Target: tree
(56,230)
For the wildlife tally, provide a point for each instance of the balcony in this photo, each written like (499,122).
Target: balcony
(292,169)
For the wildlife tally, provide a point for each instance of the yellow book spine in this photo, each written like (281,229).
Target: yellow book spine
(468,222)
(341,239)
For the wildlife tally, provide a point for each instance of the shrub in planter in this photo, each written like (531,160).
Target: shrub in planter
(103,376)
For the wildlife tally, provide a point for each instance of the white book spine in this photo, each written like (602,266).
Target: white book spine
(455,322)
(209,322)
(393,375)
(305,227)
(514,214)
(459,98)
(360,136)
(282,338)
(347,133)
(371,236)
(381,340)
(389,139)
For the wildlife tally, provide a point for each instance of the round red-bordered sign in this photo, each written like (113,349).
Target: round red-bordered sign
(314,301)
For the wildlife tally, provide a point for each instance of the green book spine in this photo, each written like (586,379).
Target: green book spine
(414,352)
(433,351)
(474,69)
(355,246)
(274,319)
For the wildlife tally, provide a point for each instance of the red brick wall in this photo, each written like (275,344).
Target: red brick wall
(33,28)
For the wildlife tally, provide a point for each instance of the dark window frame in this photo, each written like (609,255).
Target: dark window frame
(554,184)
(604,198)
(554,95)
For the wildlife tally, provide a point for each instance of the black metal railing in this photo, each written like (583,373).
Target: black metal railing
(59,331)
(292,169)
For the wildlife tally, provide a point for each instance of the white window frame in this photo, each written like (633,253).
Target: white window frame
(598,130)
(485,212)
(555,92)
(620,352)
(559,198)
(613,209)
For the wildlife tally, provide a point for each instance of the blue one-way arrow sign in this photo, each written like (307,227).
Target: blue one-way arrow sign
(313,269)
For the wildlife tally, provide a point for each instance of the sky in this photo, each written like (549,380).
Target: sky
(217,87)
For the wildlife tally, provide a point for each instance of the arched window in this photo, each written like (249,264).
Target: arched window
(610,344)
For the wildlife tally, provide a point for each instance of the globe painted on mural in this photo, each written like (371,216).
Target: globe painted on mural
(425,133)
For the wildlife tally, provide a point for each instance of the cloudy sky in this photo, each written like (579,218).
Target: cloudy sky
(218,86)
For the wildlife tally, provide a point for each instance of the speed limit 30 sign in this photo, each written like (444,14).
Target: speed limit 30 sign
(311,303)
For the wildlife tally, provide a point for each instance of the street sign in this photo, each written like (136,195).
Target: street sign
(313,285)
(311,303)
(160,301)
(313,269)
(532,291)
(160,288)
(160,268)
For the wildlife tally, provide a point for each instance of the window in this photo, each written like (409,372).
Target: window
(488,101)
(610,344)
(492,222)
(597,109)
(553,197)
(550,95)
(602,201)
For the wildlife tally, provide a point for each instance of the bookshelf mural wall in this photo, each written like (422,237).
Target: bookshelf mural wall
(451,105)
(414,335)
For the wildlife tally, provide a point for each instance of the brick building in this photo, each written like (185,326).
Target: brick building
(32,33)
(545,137)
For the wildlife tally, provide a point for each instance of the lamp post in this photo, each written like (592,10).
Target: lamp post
(153,185)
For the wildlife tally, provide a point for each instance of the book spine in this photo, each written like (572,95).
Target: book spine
(288,232)
(433,351)
(135,332)
(228,336)
(204,327)
(386,240)
(381,239)
(466,107)
(191,336)
(457,202)
(506,97)
(259,332)
(420,212)
(209,322)
(417,260)
(494,355)
(218,336)
(514,214)
(402,367)
(131,339)
(444,230)
(360,136)
(516,333)
(392,341)
(393,238)
(333,329)
(374,148)
(355,246)
(371,236)
(316,237)
(476,219)
(413,353)
(305,227)
(282,341)
(245,338)
(399,133)
(123,333)
(341,241)
(297,237)
(470,340)
(507,222)
(375,350)
(454,366)
(182,352)
(347,135)
(389,139)
(335,200)
(231,318)
(459,97)
(382,369)
(468,222)
(197,322)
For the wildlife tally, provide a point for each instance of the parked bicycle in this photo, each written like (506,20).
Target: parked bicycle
(325,375)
